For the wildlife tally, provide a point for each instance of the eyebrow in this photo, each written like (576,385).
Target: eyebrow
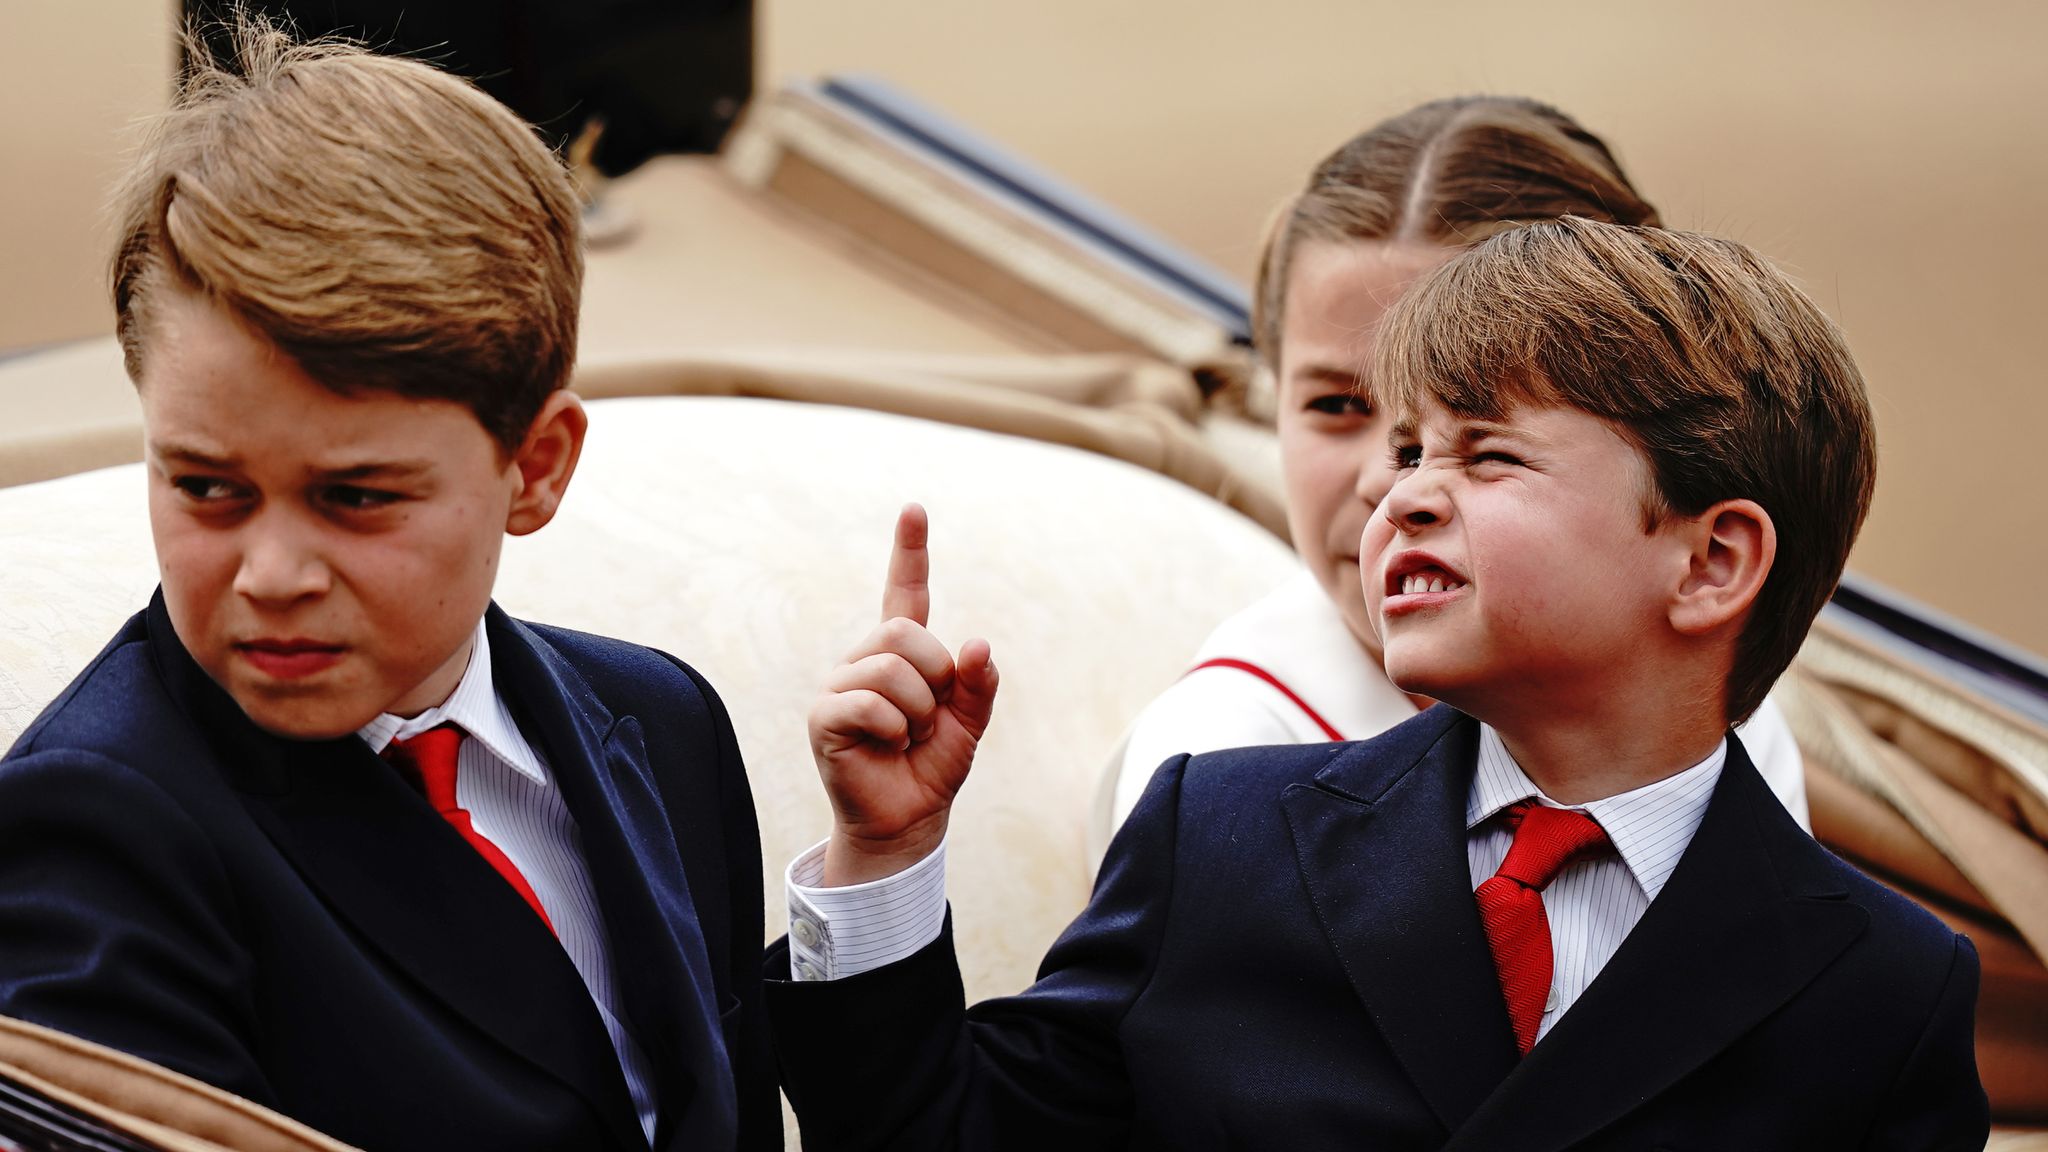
(1332,374)
(1469,431)
(1472,431)
(374,470)
(193,456)
(382,470)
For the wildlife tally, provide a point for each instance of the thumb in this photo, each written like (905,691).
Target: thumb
(974,688)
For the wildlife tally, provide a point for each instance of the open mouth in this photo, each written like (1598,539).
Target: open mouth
(1416,580)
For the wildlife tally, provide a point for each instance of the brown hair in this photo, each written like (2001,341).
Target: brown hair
(1450,172)
(385,224)
(1729,380)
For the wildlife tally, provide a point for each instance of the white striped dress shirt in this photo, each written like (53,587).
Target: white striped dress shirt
(505,786)
(840,932)
(1593,904)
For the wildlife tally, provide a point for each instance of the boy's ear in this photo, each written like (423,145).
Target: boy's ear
(545,462)
(1733,545)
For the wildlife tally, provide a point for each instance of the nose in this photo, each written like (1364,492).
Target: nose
(281,562)
(1415,501)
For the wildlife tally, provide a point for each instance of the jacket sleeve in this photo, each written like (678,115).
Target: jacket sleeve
(1937,1101)
(119,921)
(893,1059)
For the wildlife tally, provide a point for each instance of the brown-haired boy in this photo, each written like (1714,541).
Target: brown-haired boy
(347,291)
(1562,910)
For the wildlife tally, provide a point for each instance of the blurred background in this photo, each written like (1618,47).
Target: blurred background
(1889,154)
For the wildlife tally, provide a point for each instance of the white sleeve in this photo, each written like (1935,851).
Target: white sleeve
(839,932)
(1775,753)
(1208,709)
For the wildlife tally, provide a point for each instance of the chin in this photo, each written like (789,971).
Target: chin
(308,719)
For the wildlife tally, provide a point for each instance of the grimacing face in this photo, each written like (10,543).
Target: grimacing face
(1511,574)
(324,557)
(1335,460)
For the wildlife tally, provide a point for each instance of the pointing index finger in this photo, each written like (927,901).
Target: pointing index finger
(908,590)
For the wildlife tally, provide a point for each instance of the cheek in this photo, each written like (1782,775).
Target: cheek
(430,575)
(1542,584)
(192,561)
(1318,478)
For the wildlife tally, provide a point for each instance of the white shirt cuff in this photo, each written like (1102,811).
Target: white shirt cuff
(839,932)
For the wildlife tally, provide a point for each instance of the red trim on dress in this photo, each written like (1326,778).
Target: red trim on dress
(1253,669)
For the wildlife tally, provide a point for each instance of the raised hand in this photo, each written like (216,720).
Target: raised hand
(895,728)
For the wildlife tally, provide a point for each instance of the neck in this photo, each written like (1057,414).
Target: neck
(1579,765)
(435,690)
(1598,744)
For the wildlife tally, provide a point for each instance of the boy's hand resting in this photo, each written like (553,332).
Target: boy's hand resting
(895,728)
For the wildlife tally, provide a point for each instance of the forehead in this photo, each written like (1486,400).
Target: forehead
(1337,291)
(213,385)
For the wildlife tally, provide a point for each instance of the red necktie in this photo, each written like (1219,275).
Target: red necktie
(1511,905)
(429,758)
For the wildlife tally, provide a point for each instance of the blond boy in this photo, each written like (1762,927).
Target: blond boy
(1562,910)
(323,826)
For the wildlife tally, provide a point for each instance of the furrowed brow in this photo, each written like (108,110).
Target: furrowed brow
(1474,431)
(385,470)
(191,457)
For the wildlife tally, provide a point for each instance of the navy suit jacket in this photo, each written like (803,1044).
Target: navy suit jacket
(1284,952)
(291,922)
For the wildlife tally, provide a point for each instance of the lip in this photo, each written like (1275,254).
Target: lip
(290,659)
(1398,603)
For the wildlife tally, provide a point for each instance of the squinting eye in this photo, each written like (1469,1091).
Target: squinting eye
(1340,404)
(360,499)
(1496,458)
(1406,456)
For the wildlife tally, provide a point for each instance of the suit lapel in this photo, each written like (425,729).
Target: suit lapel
(1382,854)
(366,842)
(657,944)
(1748,918)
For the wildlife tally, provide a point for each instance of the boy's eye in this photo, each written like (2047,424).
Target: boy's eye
(355,499)
(1406,456)
(206,489)
(1496,458)
(1340,404)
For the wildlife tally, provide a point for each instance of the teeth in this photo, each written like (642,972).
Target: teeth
(1417,583)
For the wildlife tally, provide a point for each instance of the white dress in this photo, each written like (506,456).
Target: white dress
(1286,670)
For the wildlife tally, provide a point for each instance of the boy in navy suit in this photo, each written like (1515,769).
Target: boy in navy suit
(322,826)
(1561,909)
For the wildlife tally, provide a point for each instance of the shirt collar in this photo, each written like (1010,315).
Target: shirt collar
(476,708)
(1650,826)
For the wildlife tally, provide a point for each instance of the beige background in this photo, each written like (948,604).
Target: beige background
(1890,153)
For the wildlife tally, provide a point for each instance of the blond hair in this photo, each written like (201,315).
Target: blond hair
(1729,380)
(385,224)
(1451,173)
